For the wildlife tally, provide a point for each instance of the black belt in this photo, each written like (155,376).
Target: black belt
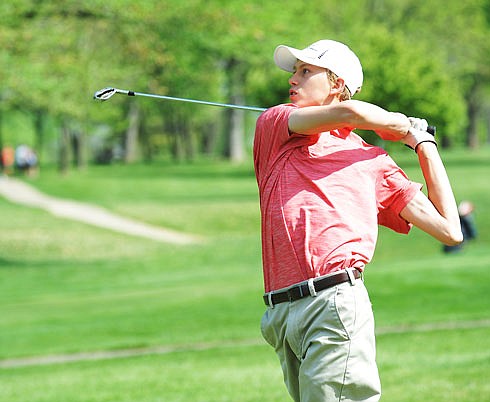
(310,288)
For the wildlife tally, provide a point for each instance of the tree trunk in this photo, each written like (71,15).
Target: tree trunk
(189,142)
(237,128)
(472,110)
(132,133)
(235,118)
(78,148)
(146,144)
(209,137)
(472,133)
(183,144)
(173,128)
(64,148)
(39,132)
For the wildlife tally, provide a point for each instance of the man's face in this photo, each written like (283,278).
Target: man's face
(309,85)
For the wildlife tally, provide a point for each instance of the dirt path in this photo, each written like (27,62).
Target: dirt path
(19,192)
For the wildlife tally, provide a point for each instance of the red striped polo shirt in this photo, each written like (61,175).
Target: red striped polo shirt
(321,199)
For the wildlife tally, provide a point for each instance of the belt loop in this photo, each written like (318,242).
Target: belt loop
(350,274)
(311,287)
(269,297)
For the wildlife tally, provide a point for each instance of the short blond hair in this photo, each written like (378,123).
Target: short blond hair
(345,95)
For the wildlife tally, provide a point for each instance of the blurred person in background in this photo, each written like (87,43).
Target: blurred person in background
(468,226)
(26,160)
(8,159)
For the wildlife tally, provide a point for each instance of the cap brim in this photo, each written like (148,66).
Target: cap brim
(285,57)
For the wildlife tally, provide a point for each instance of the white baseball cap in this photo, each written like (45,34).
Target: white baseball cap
(330,54)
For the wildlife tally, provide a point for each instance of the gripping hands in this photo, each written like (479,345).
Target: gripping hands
(417,133)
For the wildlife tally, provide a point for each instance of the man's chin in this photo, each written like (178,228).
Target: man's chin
(298,102)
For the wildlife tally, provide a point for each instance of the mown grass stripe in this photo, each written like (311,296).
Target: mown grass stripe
(160,350)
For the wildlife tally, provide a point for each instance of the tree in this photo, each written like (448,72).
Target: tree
(54,55)
(400,77)
(457,34)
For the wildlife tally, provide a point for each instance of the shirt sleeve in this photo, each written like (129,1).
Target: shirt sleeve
(271,132)
(394,193)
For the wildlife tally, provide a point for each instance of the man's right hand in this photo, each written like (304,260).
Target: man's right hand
(418,124)
(415,137)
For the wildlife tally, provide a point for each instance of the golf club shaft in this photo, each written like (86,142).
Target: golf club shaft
(106,93)
(200,102)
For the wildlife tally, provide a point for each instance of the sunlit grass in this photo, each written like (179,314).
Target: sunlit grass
(68,288)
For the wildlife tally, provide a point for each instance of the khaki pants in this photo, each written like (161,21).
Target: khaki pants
(326,345)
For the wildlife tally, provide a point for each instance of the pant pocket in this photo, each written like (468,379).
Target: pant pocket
(267,329)
(346,307)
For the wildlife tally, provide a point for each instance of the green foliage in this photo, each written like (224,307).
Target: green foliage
(54,55)
(408,76)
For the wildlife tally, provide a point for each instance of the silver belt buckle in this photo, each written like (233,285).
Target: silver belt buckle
(311,287)
(350,274)
(269,297)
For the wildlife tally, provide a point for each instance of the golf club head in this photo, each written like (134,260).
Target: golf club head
(104,94)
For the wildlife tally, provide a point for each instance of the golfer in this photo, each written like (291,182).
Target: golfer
(323,192)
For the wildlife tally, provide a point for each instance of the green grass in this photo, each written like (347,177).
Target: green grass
(68,288)
(241,373)
(435,366)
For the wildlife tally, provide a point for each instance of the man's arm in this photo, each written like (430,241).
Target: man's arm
(436,215)
(352,114)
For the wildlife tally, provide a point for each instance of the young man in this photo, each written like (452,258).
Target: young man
(323,191)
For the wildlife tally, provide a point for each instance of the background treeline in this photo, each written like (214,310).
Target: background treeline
(424,58)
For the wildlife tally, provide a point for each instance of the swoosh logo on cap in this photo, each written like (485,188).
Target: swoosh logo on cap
(323,54)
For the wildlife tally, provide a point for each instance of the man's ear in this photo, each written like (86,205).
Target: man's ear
(338,87)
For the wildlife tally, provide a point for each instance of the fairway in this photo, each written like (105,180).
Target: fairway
(90,314)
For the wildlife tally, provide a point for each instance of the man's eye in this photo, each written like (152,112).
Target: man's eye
(305,71)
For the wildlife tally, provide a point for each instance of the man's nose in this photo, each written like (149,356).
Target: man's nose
(293,80)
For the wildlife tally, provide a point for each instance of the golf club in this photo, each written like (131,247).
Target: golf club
(107,93)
